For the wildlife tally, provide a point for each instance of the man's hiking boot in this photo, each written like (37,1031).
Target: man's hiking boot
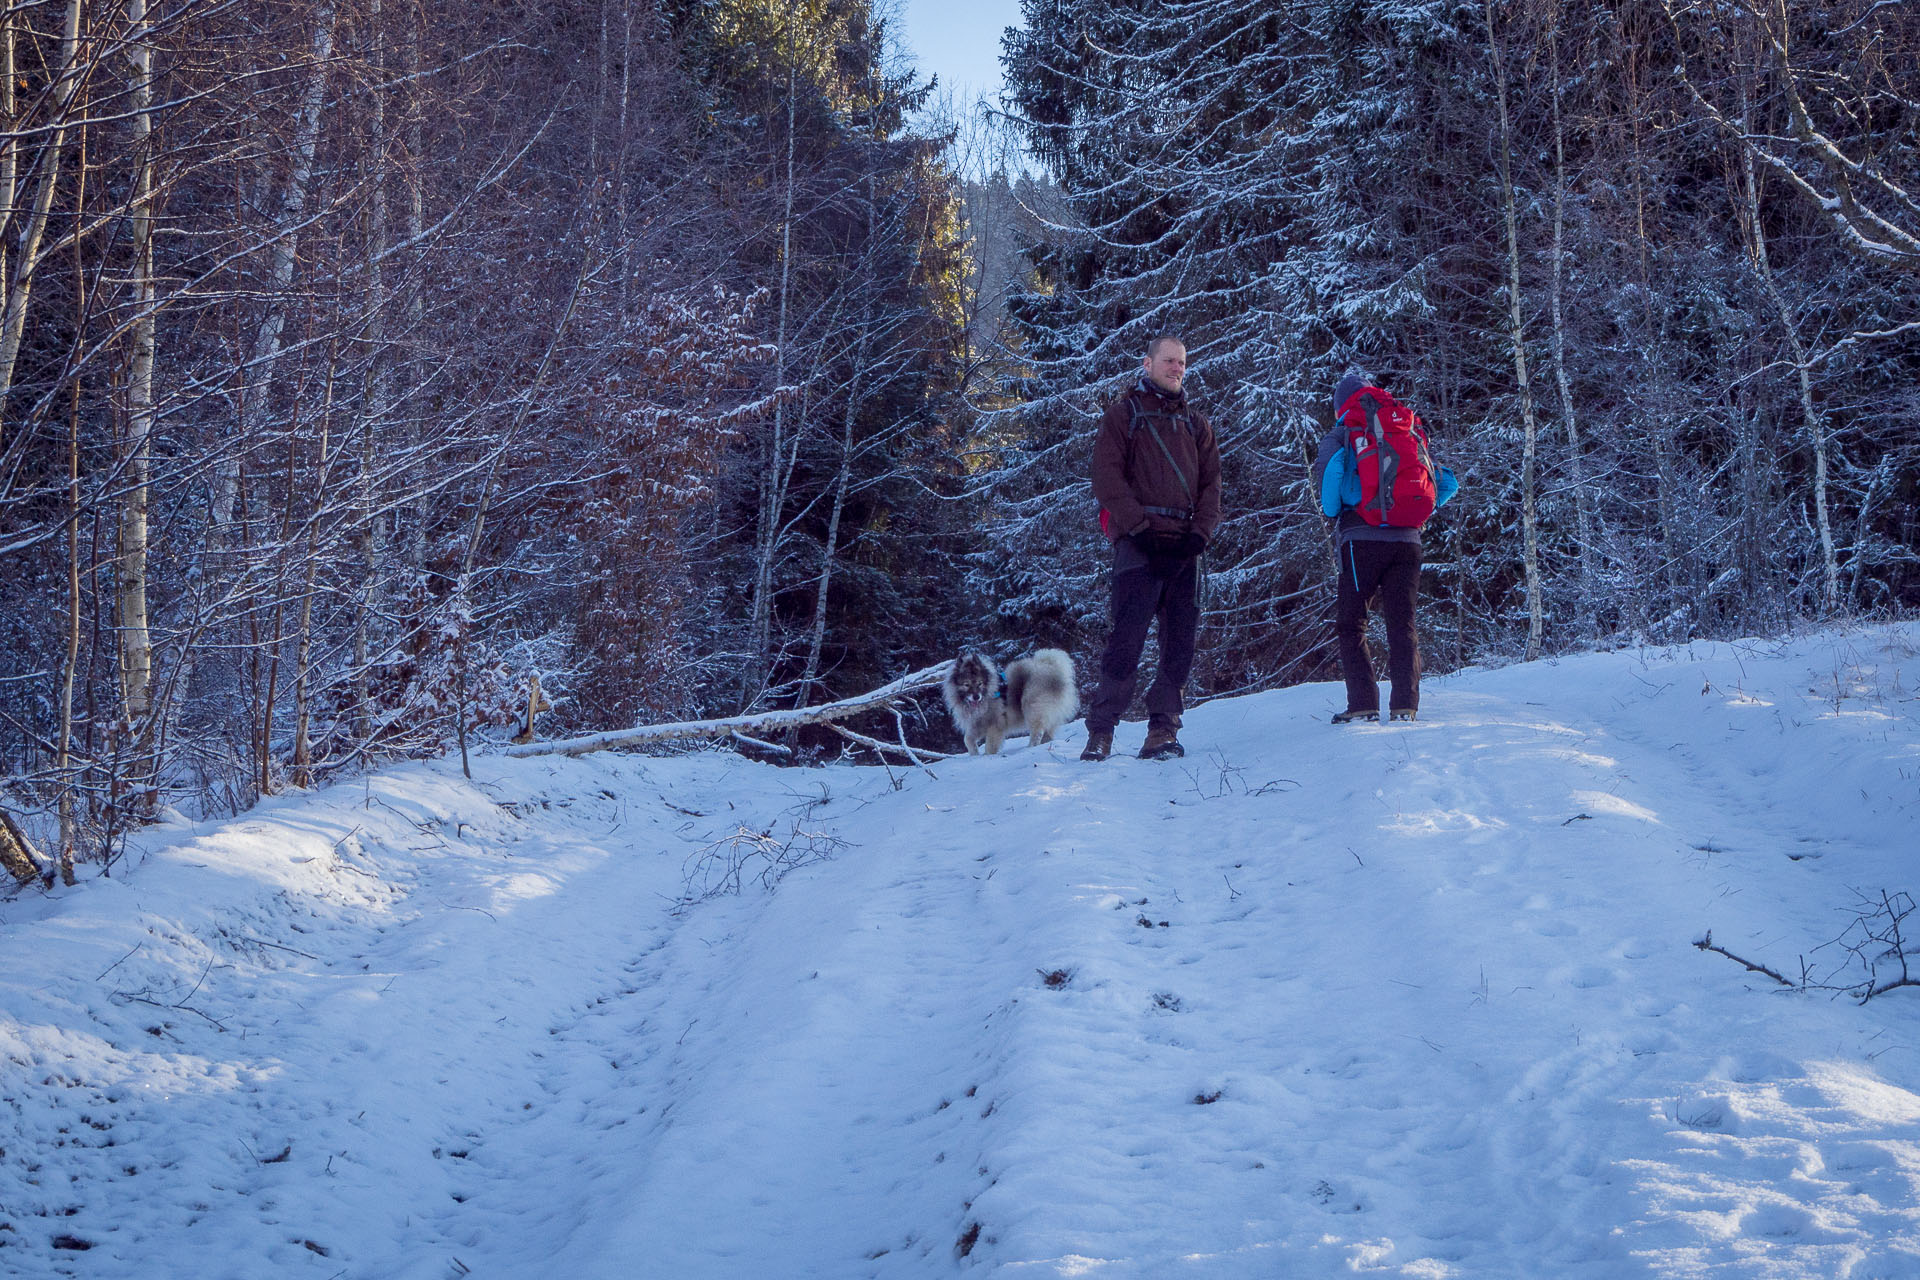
(1350,715)
(1162,744)
(1403,713)
(1099,745)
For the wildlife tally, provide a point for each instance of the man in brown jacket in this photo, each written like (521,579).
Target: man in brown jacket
(1156,474)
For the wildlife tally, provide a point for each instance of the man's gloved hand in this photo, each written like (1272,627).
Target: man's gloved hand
(1155,544)
(1165,544)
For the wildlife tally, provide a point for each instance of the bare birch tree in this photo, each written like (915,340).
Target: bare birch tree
(1576,469)
(44,178)
(289,218)
(1754,228)
(773,453)
(136,642)
(1517,337)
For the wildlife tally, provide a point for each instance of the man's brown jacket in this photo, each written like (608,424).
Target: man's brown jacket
(1142,486)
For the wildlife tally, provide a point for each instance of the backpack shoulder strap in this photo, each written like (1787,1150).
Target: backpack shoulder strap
(1191,421)
(1387,462)
(1373,419)
(1136,416)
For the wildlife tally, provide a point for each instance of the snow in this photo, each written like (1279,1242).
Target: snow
(1407,1000)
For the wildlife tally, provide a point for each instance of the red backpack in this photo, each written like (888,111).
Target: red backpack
(1390,450)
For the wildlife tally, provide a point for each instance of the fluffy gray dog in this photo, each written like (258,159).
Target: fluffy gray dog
(1038,695)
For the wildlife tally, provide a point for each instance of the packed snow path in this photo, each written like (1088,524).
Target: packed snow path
(1410,1000)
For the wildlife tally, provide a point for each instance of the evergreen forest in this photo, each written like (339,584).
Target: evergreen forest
(363,360)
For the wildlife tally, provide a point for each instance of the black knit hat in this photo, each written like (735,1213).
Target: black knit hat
(1350,383)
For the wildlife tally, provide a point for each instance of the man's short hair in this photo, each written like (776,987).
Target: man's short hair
(1154,343)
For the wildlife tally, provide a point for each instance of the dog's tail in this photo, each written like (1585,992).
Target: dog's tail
(1048,695)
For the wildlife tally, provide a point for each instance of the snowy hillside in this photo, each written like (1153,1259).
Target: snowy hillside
(1413,1000)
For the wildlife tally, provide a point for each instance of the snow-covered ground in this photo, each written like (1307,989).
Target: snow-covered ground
(1416,1000)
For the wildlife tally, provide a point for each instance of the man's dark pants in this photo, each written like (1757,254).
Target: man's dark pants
(1392,569)
(1163,588)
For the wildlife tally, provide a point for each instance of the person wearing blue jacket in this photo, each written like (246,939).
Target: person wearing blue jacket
(1371,558)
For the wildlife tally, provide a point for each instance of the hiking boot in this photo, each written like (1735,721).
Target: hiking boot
(1099,744)
(1403,713)
(1350,715)
(1162,744)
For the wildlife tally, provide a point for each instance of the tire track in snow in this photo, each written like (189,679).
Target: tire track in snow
(805,1124)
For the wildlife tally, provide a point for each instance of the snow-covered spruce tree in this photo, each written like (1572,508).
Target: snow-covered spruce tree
(1299,189)
(1280,184)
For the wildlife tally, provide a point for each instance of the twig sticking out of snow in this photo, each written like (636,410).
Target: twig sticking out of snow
(1707,944)
(918,755)
(1875,943)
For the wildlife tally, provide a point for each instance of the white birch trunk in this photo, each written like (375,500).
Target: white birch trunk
(842,482)
(19,287)
(844,479)
(1658,427)
(63,759)
(303,649)
(377,399)
(416,542)
(1810,416)
(265,349)
(136,643)
(9,148)
(1529,462)
(623,201)
(1576,458)
(773,490)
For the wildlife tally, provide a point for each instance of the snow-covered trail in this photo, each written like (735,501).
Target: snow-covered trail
(1413,1000)
(1393,996)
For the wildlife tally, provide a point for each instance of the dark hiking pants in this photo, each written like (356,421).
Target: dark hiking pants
(1167,589)
(1392,569)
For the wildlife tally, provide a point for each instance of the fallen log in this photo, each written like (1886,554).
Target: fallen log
(764,723)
